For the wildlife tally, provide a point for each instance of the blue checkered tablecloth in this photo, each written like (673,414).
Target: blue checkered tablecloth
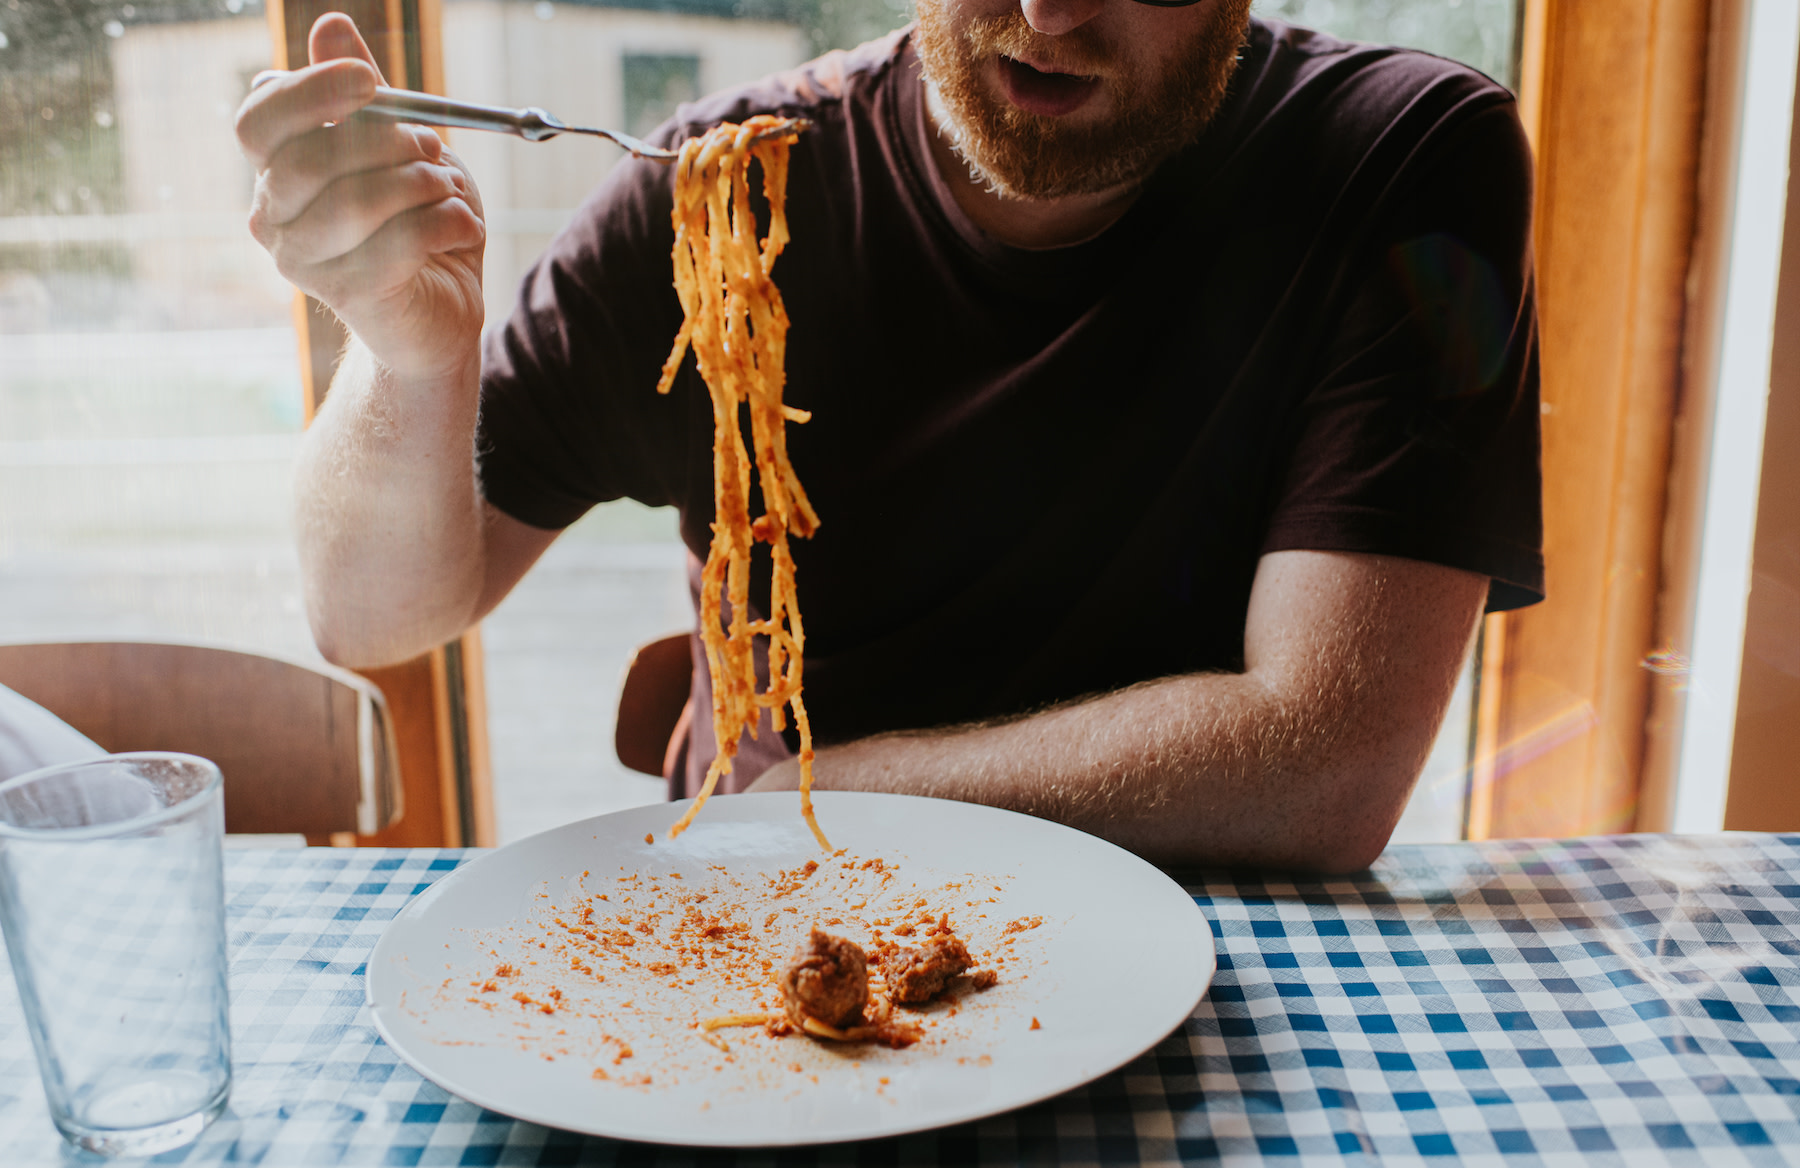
(1623,1000)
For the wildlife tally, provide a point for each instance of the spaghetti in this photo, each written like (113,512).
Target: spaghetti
(736,325)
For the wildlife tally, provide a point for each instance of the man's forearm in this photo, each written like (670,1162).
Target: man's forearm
(389,515)
(1212,769)
(1305,760)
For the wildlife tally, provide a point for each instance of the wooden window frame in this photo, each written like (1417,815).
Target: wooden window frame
(438,700)
(1628,107)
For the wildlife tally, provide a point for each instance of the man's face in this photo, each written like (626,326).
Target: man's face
(1096,103)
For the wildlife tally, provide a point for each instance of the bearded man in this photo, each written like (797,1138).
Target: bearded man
(1173,392)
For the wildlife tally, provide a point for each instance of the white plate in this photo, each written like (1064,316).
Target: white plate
(1121,958)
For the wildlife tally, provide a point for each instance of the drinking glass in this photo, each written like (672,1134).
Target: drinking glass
(112,898)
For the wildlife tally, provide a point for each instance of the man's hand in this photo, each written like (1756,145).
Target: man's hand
(374,219)
(398,551)
(1304,760)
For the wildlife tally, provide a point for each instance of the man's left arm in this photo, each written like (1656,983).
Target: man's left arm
(1304,760)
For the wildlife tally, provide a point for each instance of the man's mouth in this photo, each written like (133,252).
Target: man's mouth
(1045,93)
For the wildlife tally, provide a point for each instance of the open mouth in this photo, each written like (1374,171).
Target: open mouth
(1047,94)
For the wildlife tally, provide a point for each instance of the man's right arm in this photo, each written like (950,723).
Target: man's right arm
(398,552)
(383,225)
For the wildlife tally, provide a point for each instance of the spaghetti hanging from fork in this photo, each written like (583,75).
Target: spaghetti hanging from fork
(736,325)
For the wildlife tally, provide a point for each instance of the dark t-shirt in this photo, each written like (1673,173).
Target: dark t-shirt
(1042,474)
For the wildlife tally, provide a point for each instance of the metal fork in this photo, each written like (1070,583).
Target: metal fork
(531,123)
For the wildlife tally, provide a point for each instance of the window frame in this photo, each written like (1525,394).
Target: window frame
(1614,107)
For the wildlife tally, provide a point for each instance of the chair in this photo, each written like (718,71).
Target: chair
(303,748)
(653,703)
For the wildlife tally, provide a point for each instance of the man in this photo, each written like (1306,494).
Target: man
(1173,383)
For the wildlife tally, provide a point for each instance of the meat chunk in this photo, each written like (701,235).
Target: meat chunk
(918,975)
(827,980)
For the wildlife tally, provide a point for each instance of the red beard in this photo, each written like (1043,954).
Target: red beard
(1030,155)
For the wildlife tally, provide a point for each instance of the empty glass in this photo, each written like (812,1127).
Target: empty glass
(113,902)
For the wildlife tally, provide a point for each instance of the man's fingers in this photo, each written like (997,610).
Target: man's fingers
(341,80)
(303,168)
(352,209)
(394,255)
(334,36)
(300,102)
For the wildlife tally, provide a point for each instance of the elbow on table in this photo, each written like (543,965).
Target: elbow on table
(1350,852)
(1345,831)
(1339,853)
(1358,819)
(1290,841)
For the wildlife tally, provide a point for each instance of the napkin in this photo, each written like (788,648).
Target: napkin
(33,737)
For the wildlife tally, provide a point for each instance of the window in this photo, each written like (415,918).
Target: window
(655,83)
(149,400)
(1482,33)
(149,395)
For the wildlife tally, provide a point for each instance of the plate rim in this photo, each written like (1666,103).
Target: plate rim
(661,1136)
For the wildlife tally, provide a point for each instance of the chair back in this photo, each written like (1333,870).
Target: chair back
(651,702)
(303,748)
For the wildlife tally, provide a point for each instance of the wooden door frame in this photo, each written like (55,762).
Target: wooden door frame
(1613,99)
(438,700)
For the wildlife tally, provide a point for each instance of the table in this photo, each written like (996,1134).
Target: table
(1618,1000)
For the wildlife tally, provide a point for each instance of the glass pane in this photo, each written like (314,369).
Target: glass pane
(1482,33)
(149,401)
(654,85)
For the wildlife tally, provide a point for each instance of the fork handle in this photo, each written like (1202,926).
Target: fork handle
(428,109)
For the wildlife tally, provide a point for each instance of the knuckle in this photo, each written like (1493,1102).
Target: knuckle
(262,227)
(473,226)
(429,145)
(422,179)
(441,184)
(456,227)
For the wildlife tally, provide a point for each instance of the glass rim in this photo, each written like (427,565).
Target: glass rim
(214,782)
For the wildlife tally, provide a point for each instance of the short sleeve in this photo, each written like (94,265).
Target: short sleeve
(570,416)
(1419,434)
